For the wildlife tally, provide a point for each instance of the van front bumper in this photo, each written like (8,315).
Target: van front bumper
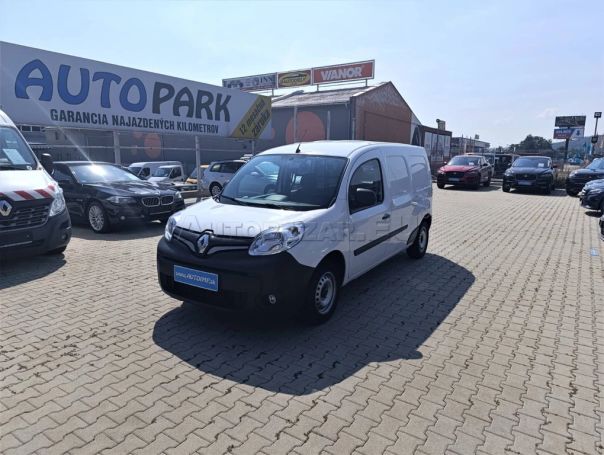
(54,234)
(273,283)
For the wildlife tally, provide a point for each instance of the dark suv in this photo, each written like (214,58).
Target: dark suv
(530,172)
(577,179)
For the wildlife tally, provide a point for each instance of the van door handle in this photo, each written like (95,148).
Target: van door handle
(414,203)
(386,216)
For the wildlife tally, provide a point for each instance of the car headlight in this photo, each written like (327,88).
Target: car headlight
(278,239)
(596,190)
(472,173)
(121,200)
(178,196)
(58,204)
(440,171)
(572,174)
(170,226)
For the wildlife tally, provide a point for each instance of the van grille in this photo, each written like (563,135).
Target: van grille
(25,217)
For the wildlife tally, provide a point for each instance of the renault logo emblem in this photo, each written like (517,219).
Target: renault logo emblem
(202,243)
(5,208)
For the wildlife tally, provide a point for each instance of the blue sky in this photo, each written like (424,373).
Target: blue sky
(499,69)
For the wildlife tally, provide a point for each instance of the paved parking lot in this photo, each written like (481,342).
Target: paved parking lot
(493,343)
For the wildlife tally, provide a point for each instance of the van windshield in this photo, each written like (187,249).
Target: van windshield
(162,172)
(15,154)
(287,182)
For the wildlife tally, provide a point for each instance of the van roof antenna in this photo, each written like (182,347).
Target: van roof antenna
(303,136)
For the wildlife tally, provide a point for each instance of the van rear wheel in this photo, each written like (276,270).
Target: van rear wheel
(418,248)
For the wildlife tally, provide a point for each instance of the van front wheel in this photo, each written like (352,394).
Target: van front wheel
(322,295)
(418,248)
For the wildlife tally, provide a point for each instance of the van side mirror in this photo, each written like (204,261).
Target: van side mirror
(363,198)
(47,162)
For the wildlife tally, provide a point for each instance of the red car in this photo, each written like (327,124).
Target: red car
(465,170)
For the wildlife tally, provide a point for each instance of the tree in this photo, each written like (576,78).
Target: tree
(533,143)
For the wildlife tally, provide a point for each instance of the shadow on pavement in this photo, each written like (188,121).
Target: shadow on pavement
(15,271)
(528,192)
(482,189)
(126,232)
(385,315)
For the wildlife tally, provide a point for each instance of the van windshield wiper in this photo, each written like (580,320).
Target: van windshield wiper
(236,201)
(12,167)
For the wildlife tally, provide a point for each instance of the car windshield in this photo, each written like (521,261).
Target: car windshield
(162,172)
(532,162)
(14,152)
(101,173)
(288,182)
(597,164)
(464,161)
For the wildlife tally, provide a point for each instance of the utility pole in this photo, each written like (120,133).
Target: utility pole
(594,139)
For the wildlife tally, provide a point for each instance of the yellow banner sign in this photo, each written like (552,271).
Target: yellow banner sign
(255,120)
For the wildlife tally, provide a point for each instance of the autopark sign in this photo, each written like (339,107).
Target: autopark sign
(44,88)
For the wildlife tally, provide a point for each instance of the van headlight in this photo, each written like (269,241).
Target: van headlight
(178,196)
(278,239)
(58,204)
(170,226)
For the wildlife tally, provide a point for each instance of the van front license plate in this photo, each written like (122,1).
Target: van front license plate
(197,278)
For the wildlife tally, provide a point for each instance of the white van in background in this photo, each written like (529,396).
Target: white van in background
(145,169)
(334,210)
(172,173)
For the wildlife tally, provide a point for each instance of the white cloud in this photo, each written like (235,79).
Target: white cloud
(548,112)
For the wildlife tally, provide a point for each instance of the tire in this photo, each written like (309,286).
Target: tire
(547,189)
(506,188)
(487,183)
(97,218)
(418,248)
(476,187)
(602,206)
(572,193)
(215,189)
(56,251)
(440,185)
(322,294)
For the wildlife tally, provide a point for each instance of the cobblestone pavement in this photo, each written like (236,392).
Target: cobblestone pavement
(493,343)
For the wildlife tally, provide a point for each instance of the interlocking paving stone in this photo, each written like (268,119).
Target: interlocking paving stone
(492,343)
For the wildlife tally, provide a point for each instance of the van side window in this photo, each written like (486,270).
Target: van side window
(176,172)
(145,172)
(366,187)
(419,171)
(215,168)
(398,175)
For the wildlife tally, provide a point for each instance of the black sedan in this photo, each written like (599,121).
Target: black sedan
(106,196)
(530,172)
(592,195)
(577,179)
